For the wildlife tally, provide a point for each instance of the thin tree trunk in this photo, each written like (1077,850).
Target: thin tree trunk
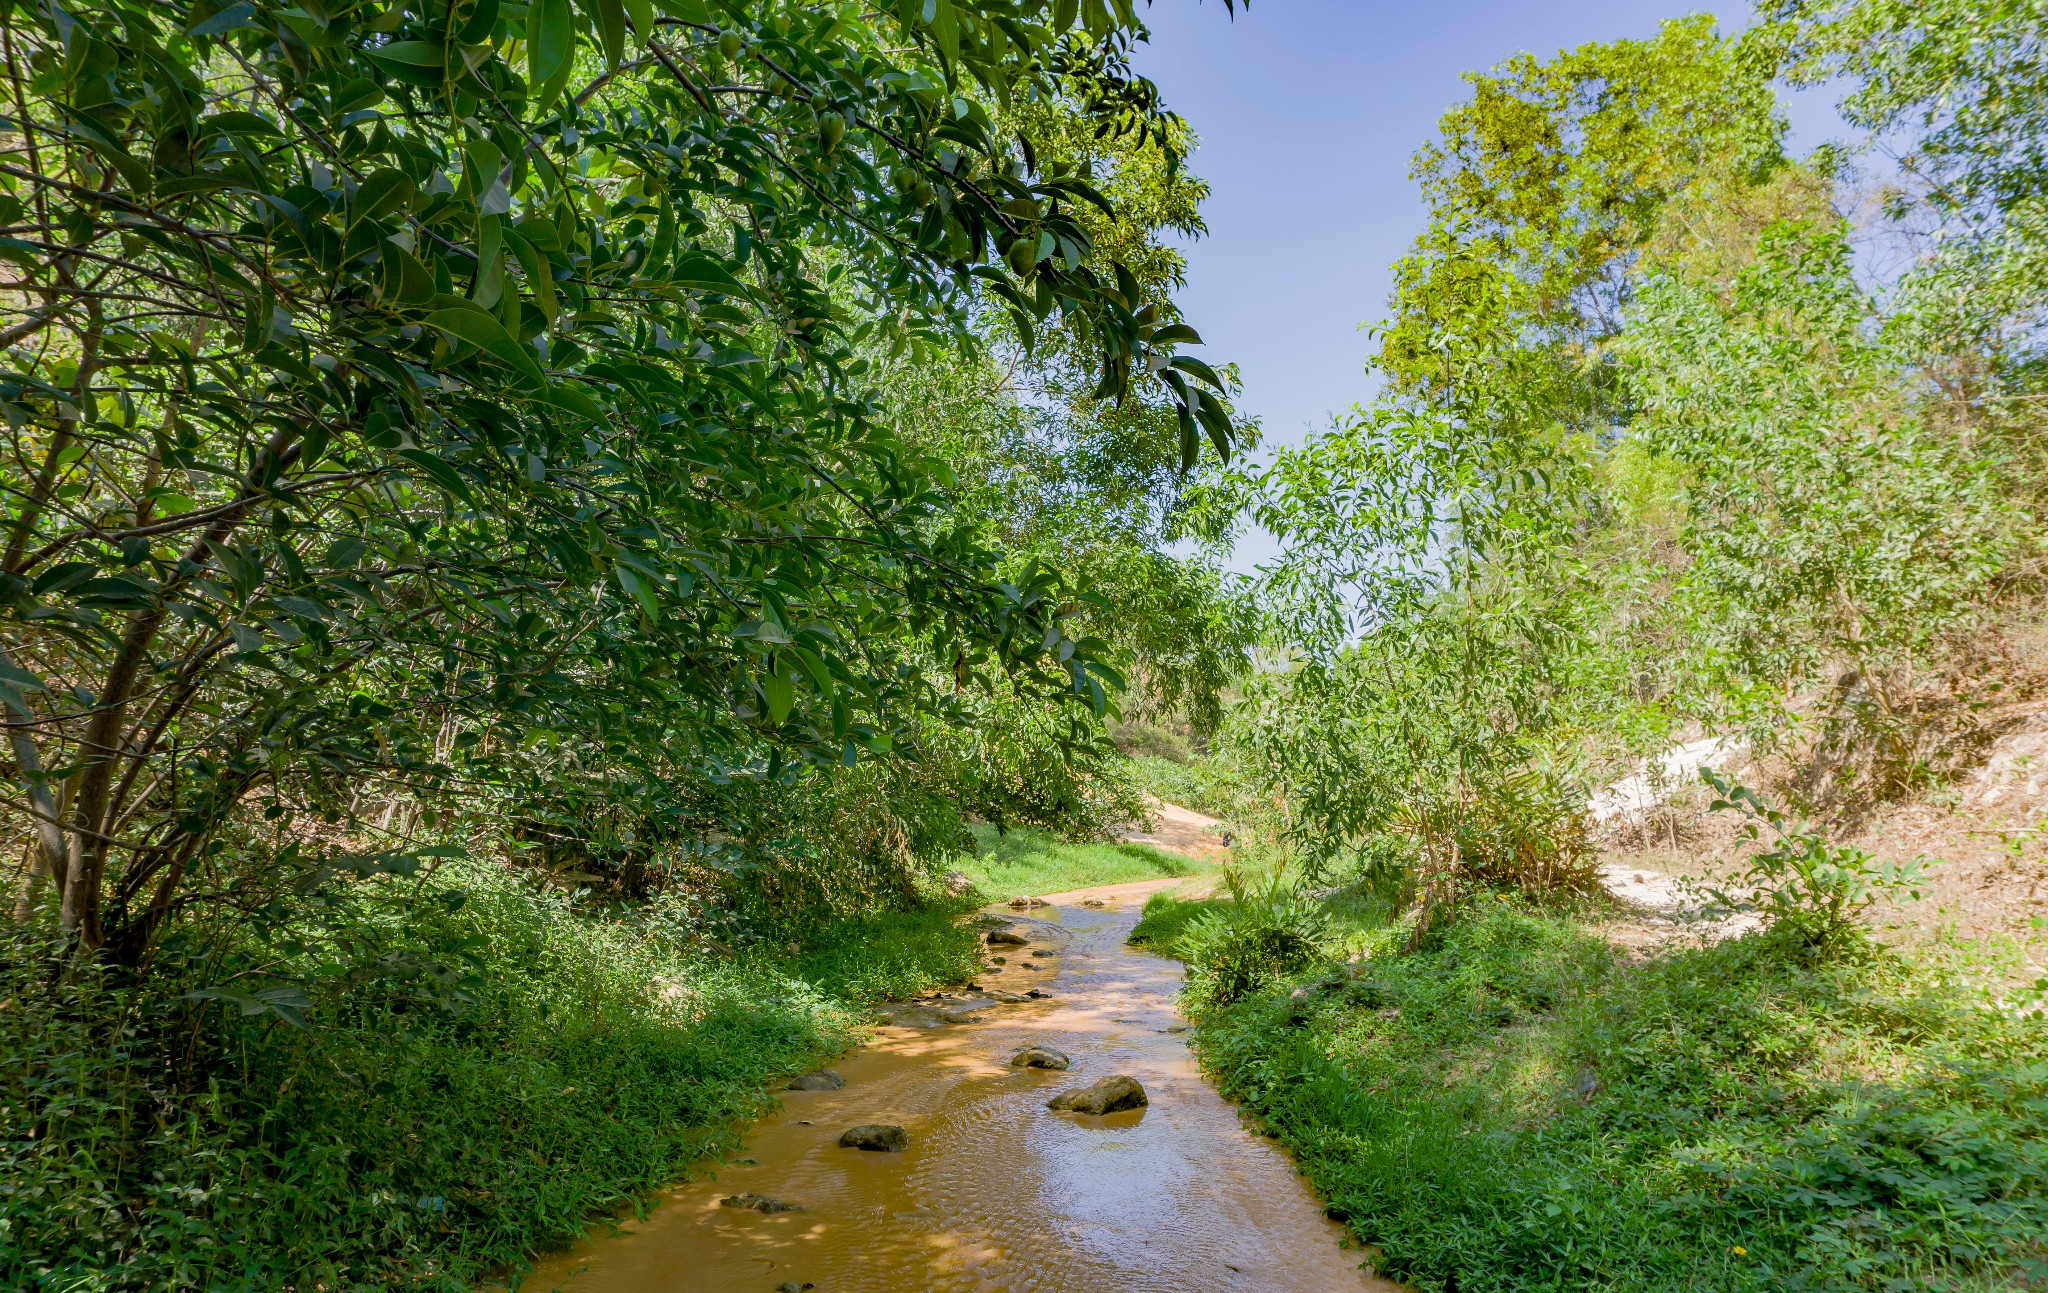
(51,849)
(103,747)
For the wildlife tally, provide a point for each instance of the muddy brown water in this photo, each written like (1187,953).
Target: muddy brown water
(996,1192)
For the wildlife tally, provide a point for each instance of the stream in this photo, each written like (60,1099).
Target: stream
(996,1192)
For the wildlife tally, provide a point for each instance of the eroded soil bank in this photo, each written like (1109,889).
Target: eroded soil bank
(995,1192)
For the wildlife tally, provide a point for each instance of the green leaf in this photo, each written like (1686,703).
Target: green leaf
(695,269)
(638,588)
(482,330)
(345,552)
(384,191)
(21,678)
(415,62)
(781,694)
(440,473)
(482,17)
(550,39)
(1210,412)
(239,123)
(611,29)
(569,396)
(539,273)
(241,14)
(1190,364)
(404,280)
(945,27)
(821,676)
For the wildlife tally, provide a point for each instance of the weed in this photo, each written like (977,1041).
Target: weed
(1809,889)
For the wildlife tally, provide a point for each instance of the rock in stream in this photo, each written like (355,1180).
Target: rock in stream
(882,1137)
(1038,1057)
(1109,1095)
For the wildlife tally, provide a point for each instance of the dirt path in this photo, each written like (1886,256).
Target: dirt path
(996,1193)
(1182,830)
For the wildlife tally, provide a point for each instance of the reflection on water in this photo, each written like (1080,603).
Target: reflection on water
(995,1191)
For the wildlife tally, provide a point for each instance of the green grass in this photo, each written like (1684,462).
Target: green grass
(1026,861)
(1166,918)
(1519,1107)
(886,957)
(476,1079)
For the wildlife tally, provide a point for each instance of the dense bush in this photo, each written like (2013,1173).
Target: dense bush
(1234,945)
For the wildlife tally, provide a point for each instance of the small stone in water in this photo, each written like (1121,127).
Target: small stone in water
(1038,951)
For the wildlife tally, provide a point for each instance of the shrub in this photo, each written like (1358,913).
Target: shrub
(1265,933)
(1517,1108)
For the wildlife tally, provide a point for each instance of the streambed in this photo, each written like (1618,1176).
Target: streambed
(996,1192)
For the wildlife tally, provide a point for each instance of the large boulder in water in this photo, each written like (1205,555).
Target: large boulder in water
(882,1137)
(1107,1096)
(1007,938)
(758,1203)
(822,1080)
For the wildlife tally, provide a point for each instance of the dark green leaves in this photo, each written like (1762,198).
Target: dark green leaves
(473,325)
(460,397)
(550,44)
(415,62)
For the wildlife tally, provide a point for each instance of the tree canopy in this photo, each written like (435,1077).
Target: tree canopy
(399,392)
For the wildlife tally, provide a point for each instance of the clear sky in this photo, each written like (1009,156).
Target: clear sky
(1308,111)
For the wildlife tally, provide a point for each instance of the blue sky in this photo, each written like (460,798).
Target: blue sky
(1308,111)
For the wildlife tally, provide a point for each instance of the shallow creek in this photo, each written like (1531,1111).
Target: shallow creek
(996,1192)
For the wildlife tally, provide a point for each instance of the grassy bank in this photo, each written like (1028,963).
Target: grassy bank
(1519,1107)
(1026,861)
(474,1078)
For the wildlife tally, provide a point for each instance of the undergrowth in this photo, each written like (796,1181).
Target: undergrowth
(475,1076)
(1516,1106)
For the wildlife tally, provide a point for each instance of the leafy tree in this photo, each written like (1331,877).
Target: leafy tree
(1649,452)
(396,389)
(1828,522)
(1450,567)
